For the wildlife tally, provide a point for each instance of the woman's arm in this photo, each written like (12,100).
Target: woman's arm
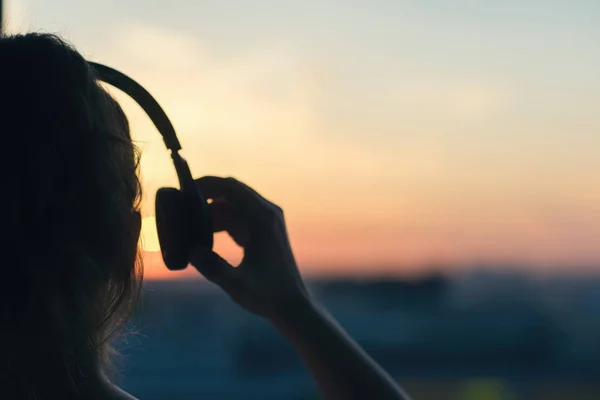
(268,283)
(338,364)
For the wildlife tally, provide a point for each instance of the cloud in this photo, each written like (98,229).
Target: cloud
(256,112)
(250,96)
(473,102)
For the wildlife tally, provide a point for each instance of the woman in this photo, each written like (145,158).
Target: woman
(73,273)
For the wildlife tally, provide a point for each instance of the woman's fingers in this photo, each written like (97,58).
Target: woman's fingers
(236,208)
(212,266)
(240,196)
(226,220)
(221,213)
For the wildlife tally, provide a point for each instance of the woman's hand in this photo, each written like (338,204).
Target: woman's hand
(267,281)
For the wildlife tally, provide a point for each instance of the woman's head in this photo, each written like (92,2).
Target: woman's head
(71,272)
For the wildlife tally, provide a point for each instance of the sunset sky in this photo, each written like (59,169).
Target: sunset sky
(393,133)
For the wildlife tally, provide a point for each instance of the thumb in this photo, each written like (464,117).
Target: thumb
(212,266)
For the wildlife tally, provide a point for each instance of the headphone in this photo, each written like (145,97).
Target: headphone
(182,215)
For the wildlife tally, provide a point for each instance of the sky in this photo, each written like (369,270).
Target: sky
(395,134)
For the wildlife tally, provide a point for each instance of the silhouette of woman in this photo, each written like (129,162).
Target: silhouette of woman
(72,273)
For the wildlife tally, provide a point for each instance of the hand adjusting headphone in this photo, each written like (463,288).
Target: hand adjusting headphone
(182,215)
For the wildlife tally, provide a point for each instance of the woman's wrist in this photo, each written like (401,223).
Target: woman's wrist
(293,312)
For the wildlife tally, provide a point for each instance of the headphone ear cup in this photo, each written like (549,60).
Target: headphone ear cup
(173,226)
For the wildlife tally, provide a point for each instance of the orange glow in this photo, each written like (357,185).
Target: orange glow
(438,147)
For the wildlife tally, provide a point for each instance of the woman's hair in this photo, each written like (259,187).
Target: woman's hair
(71,272)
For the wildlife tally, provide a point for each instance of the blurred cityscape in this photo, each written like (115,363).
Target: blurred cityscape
(474,335)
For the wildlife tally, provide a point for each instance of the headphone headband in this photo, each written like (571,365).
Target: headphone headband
(182,216)
(143,98)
